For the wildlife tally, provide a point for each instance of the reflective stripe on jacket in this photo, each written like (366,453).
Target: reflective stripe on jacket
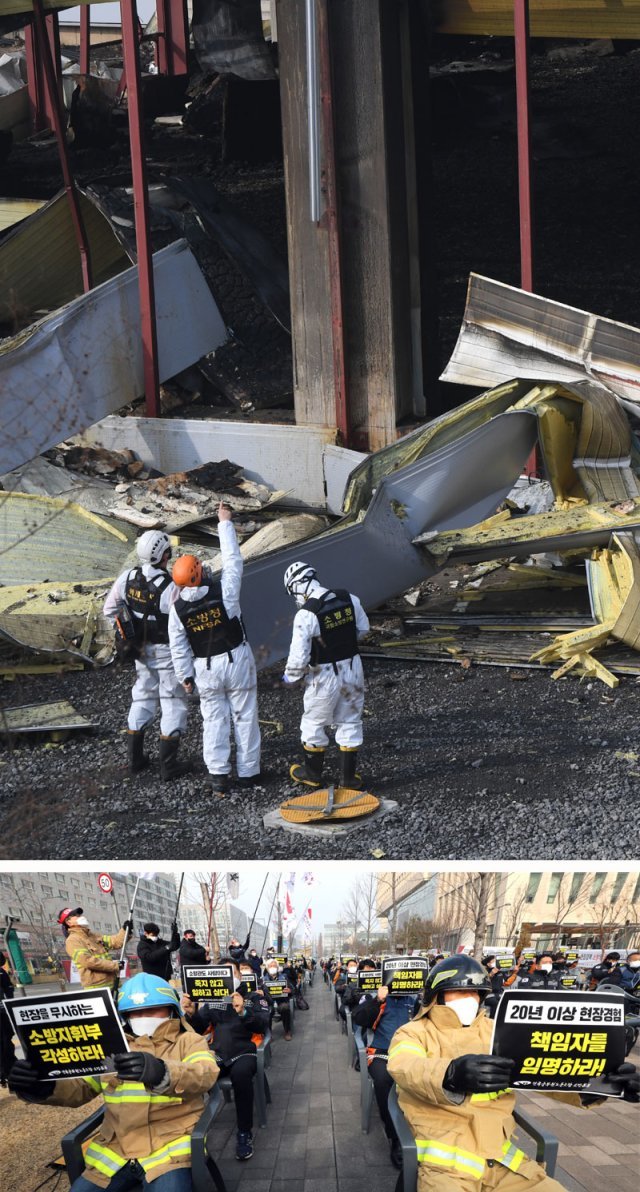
(90,954)
(453,1131)
(141,1123)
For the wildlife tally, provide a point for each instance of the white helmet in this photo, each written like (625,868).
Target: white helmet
(152,546)
(297,578)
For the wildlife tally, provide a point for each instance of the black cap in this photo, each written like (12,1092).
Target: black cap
(151,928)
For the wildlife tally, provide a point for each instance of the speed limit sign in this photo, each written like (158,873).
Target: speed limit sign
(105,883)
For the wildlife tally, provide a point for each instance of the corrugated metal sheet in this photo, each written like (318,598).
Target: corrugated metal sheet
(549,18)
(49,538)
(9,7)
(508,333)
(13,210)
(85,361)
(40,260)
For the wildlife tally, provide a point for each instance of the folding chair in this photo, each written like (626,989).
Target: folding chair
(546,1143)
(205,1174)
(366,1084)
(262,1092)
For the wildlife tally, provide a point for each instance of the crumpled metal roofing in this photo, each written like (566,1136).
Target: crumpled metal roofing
(507,332)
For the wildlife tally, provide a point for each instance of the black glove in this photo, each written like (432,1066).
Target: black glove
(142,1066)
(127,925)
(24,1080)
(478,1074)
(627,1078)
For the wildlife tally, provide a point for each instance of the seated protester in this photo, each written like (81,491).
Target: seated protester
(272,972)
(383,1015)
(540,975)
(630,978)
(496,976)
(608,971)
(255,961)
(291,974)
(152,1101)
(456,1096)
(233,1031)
(350,994)
(237,950)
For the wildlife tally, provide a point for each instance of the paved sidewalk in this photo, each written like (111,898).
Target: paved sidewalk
(313,1141)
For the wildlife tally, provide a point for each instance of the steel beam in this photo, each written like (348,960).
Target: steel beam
(35,81)
(172,47)
(129,18)
(45,38)
(85,39)
(521,36)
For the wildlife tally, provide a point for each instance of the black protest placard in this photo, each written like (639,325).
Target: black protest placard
(569,982)
(212,983)
(277,988)
(251,982)
(68,1035)
(504,963)
(561,1041)
(370,980)
(404,975)
(280,960)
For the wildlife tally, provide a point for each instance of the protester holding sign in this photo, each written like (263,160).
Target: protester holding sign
(154,953)
(383,1014)
(279,990)
(233,1030)
(152,1100)
(456,1095)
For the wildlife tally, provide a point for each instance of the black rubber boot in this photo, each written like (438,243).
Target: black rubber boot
(170,767)
(310,772)
(218,785)
(348,776)
(138,759)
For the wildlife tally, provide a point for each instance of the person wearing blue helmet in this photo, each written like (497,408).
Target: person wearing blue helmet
(152,1100)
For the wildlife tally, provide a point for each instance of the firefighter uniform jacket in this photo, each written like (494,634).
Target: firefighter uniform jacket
(90,954)
(152,1126)
(455,1133)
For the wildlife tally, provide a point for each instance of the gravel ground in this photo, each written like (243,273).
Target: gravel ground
(480,765)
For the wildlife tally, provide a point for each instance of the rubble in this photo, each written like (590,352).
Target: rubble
(55,720)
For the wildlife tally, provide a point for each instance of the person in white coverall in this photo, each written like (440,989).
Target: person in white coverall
(209,646)
(145,593)
(324,655)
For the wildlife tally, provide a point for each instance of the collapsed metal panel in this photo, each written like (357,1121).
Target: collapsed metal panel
(457,486)
(85,361)
(507,332)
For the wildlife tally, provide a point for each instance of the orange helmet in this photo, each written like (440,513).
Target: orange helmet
(187,572)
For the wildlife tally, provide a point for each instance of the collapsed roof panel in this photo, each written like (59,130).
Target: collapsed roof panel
(85,360)
(48,538)
(40,264)
(507,332)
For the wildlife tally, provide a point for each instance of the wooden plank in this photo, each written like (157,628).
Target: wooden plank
(549,18)
(370,153)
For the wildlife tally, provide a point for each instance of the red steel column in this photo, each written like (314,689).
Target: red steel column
(173,37)
(53,85)
(129,20)
(35,81)
(53,34)
(85,38)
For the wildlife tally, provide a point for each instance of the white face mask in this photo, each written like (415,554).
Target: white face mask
(145,1025)
(152,937)
(82,921)
(273,972)
(465,1007)
(546,968)
(634,964)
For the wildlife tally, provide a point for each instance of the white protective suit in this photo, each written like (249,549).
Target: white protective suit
(334,693)
(156,681)
(227,686)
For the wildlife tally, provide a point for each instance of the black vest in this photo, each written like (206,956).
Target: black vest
(338,634)
(209,628)
(143,598)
